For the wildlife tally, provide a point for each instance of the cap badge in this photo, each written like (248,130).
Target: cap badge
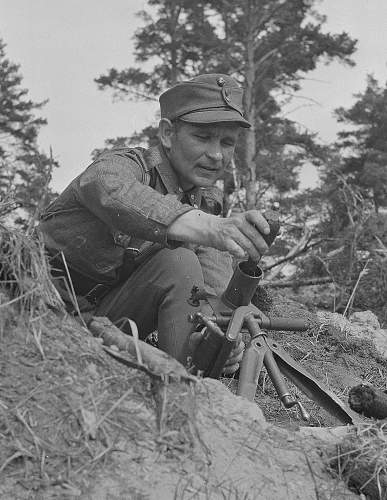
(220,81)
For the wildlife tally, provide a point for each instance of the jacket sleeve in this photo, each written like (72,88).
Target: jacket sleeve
(113,189)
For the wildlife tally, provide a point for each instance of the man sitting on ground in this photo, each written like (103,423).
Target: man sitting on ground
(140,227)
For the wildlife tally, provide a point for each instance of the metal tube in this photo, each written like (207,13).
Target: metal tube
(251,367)
(242,285)
(278,380)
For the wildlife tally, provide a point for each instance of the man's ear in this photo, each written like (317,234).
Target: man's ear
(166,131)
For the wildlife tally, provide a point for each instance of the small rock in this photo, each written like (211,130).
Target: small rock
(366,319)
(329,435)
(361,325)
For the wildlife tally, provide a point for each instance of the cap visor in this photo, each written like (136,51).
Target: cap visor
(215,116)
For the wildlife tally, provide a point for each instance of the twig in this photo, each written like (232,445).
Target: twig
(72,289)
(297,283)
(37,440)
(350,300)
(37,333)
(29,396)
(110,448)
(117,403)
(326,267)
(42,464)
(383,247)
(18,298)
(313,475)
(159,391)
(122,358)
(16,455)
(296,250)
(157,363)
(293,256)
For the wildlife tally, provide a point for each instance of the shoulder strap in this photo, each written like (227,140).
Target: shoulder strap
(137,155)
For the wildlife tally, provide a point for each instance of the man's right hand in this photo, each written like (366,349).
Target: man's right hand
(240,234)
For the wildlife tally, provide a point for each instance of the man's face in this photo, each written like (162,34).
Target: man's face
(200,153)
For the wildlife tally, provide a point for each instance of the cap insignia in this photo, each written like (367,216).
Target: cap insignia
(220,81)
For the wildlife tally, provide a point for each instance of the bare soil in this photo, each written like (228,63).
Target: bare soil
(76,424)
(329,356)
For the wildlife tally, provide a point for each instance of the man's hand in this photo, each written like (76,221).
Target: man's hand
(236,355)
(234,359)
(239,234)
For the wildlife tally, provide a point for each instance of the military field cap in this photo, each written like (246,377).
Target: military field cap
(207,98)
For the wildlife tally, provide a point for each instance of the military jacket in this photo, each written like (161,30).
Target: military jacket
(118,211)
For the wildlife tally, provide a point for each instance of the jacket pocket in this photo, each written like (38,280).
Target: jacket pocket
(135,255)
(135,248)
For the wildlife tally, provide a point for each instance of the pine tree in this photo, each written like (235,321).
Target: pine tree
(267,45)
(364,146)
(24,170)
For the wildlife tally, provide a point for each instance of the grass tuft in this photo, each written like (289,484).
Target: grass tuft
(25,284)
(361,460)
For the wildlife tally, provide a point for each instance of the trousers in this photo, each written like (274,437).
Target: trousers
(156,296)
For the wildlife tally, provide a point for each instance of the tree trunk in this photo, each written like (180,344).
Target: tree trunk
(173,25)
(249,107)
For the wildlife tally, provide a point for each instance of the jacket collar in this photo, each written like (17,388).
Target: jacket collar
(156,158)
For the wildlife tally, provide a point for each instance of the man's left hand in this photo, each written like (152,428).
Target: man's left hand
(233,361)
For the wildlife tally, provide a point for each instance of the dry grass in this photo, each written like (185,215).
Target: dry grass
(64,406)
(361,460)
(25,280)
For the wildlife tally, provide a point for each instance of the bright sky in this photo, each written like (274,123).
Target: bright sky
(62,45)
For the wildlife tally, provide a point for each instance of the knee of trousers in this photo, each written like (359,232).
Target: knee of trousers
(183,269)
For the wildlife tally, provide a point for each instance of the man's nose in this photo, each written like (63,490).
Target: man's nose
(214,152)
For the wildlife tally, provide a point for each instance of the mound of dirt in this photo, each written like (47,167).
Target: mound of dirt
(74,423)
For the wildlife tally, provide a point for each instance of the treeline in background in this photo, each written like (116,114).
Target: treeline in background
(333,233)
